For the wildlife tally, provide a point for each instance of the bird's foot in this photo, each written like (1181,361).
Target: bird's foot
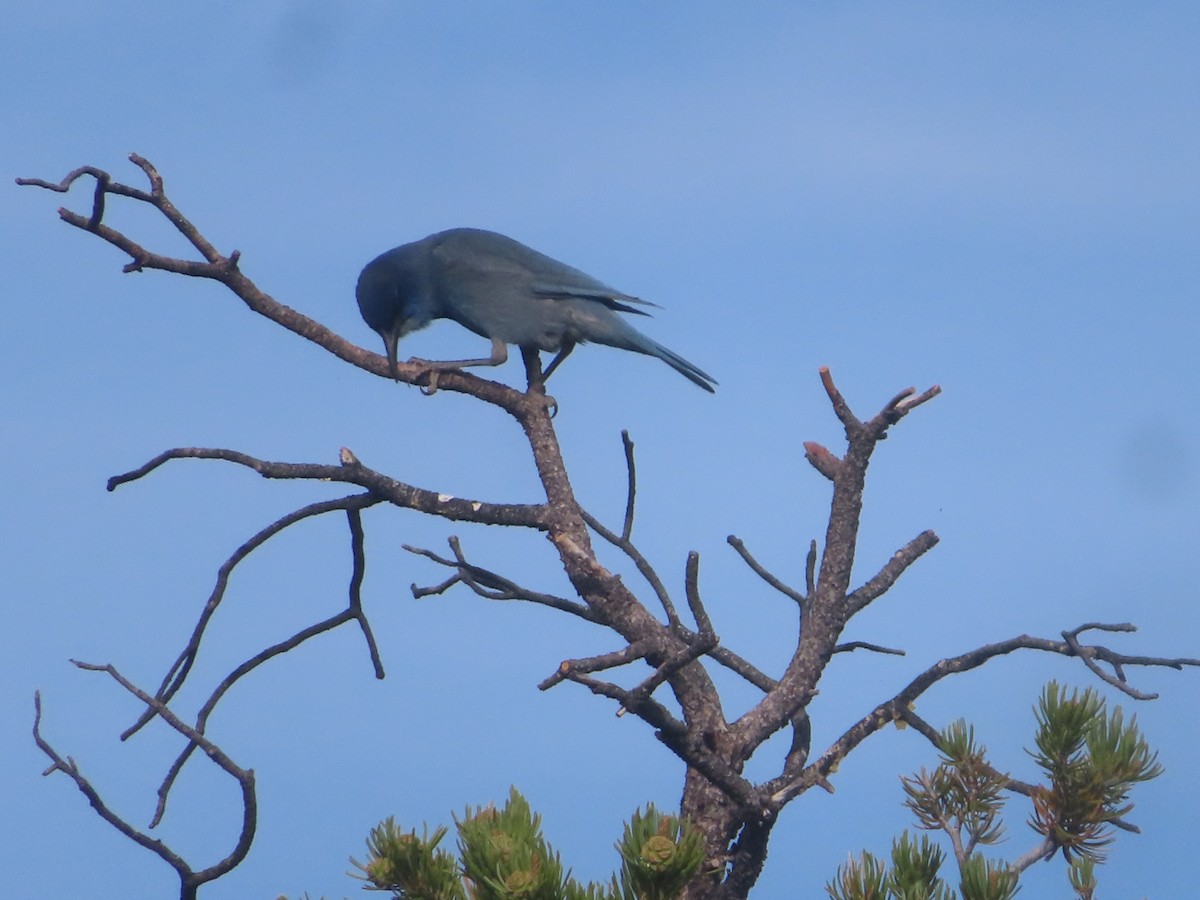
(541,397)
(432,371)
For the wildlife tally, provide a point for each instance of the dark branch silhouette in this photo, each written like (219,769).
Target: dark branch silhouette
(189,879)
(734,814)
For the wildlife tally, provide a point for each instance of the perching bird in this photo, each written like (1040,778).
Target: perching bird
(502,290)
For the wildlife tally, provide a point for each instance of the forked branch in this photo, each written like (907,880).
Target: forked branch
(899,707)
(189,879)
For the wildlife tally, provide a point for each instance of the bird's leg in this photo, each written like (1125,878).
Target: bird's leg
(537,380)
(567,346)
(499,357)
(433,367)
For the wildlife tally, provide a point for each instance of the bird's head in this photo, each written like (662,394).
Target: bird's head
(392,299)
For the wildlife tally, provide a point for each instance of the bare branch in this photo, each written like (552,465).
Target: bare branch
(735,663)
(675,735)
(395,492)
(840,407)
(573,669)
(822,460)
(1042,851)
(189,880)
(810,568)
(1117,680)
(691,582)
(631,493)
(826,610)
(863,645)
(725,657)
(892,570)
(797,754)
(179,670)
(737,544)
(342,617)
(490,585)
(647,571)
(359,563)
(224,269)
(900,406)
(68,767)
(676,661)
(889,711)
(353,611)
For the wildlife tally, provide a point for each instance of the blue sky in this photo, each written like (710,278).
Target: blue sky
(1002,200)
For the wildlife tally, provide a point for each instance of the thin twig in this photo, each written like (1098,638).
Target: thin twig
(244,669)
(631,492)
(892,570)
(189,880)
(691,583)
(640,562)
(840,407)
(863,645)
(179,670)
(810,568)
(736,543)
(490,585)
(701,645)
(389,489)
(783,790)
(736,663)
(358,571)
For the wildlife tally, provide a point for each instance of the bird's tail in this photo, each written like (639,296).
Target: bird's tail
(679,364)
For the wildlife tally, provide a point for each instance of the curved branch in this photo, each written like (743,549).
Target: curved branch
(304,634)
(225,269)
(864,645)
(755,566)
(626,546)
(353,611)
(631,489)
(395,492)
(922,727)
(189,879)
(490,585)
(1117,680)
(782,790)
(358,559)
(179,670)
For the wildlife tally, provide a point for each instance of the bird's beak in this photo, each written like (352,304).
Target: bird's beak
(390,342)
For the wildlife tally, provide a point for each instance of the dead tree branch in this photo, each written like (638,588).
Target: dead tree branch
(899,707)
(189,879)
(488,584)
(735,815)
(388,489)
(757,568)
(178,672)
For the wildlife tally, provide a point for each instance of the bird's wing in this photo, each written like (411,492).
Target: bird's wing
(488,256)
(614,300)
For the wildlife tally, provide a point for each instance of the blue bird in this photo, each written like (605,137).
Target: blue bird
(504,291)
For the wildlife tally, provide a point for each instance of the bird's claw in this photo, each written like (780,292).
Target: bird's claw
(537,390)
(551,405)
(430,387)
